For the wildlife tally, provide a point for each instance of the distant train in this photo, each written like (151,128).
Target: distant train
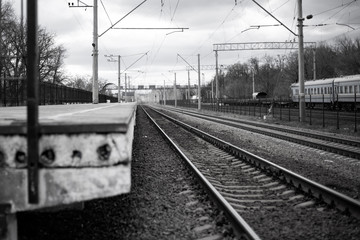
(334,93)
(342,92)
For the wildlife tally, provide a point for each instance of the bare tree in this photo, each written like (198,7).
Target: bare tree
(348,51)
(13,50)
(85,83)
(51,58)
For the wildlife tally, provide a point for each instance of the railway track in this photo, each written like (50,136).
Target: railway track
(342,146)
(275,202)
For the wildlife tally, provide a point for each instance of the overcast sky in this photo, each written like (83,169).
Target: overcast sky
(209,22)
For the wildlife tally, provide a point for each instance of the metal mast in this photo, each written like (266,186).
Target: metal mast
(95,87)
(301,63)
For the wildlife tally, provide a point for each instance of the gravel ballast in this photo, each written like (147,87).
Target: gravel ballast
(337,172)
(286,219)
(164,203)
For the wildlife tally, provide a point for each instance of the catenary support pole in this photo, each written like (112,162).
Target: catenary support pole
(189,85)
(125,87)
(175,95)
(119,82)
(95,87)
(199,84)
(314,63)
(164,94)
(217,80)
(301,63)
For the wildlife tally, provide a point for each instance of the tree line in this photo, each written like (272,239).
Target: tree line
(274,75)
(13,53)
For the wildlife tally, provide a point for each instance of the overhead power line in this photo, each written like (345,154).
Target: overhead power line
(177,4)
(342,5)
(106,12)
(123,17)
(136,61)
(187,63)
(274,17)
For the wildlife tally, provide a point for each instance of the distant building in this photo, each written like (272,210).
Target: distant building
(128,96)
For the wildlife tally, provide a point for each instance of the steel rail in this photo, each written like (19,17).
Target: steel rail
(240,226)
(288,130)
(234,123)
(321,192)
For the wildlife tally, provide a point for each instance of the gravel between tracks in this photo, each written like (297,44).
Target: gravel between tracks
(154,209)
(326,168)
(286,222)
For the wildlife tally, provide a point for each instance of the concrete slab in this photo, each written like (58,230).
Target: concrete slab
(85,153)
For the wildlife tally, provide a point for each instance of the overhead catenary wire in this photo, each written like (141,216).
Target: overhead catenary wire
(339,6)
(338,21)
(177,4)
(123,18)
(135,61)
(345,6)
(256,27)
(187,63)
(107,14)
(274,17)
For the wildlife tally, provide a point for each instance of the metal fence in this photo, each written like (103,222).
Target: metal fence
(279,109)
(13,93)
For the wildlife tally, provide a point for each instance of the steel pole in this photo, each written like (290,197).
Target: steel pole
(125,88)
(314,63)
(189,85)
(217,80)
(216,76)
(301,63)
(164,94)
(175,95)
(95,87)
(253,80)
(119,82)
(212,90)
(32,101)
(199,84)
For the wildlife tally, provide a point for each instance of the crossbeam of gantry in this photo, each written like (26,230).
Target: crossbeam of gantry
(207,67)
(260,46)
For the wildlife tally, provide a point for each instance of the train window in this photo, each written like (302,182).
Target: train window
(350,89)
(318,91)
(355,89)
(322,90)
(346,89)
(341,89)
(325,90)
(330,90)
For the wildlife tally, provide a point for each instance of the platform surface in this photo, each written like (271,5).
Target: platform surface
(69,118)
(85,153)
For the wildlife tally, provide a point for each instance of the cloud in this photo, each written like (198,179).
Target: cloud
(209,22)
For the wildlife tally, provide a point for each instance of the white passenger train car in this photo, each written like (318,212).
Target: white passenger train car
(342,92)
